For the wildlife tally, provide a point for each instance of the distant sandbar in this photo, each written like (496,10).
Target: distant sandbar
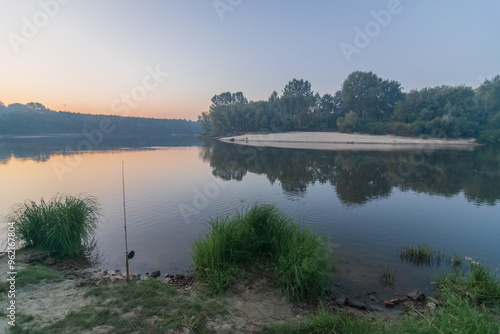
(346,141)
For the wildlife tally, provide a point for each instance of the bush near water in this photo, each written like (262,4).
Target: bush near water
(298,258)
(62,225)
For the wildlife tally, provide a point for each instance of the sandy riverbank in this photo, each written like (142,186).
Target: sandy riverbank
(346,141)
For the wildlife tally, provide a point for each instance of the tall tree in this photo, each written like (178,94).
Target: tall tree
(273,97)
(369,96)
(299,100)
(489,96)
(298,88)
(325,111)
(226,98)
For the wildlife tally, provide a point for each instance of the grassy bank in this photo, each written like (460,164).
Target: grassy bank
(469,303)
(32,275)
(132,307)
(296,256)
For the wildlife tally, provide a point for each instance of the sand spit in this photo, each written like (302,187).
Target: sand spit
(347,141)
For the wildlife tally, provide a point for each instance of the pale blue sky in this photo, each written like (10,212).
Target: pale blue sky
(87,54)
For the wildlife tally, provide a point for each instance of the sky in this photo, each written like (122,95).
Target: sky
(166,59)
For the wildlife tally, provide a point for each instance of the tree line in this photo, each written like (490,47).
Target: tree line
(35,119)
(365,103)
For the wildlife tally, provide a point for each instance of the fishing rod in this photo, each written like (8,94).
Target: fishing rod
(128,256)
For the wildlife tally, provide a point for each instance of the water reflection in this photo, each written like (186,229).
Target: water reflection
(42,148)
(360,177)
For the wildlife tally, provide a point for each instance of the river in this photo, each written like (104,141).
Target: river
(368,204)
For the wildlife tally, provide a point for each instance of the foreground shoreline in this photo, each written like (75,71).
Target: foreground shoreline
(76,287)
(346,141)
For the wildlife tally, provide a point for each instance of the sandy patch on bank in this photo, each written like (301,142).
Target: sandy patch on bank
(346,141)
(252,303)
(45,301)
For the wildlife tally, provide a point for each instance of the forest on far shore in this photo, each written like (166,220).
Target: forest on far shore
(364,104)
(34,119)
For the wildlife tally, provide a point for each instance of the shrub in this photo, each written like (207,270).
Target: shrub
(348,123)
(64,224)
(298,257)
(372,127)
(399,129)
(490,136)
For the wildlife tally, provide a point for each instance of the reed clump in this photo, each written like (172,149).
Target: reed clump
(387,276)
(63,225)
(422,255)
(298,258)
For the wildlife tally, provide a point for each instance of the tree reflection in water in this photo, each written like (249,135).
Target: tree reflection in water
(362,176)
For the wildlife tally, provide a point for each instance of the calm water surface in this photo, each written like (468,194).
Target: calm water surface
(370,204)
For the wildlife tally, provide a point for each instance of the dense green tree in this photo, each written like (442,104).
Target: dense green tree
(299,101)
(273,97)
(367,104)
(369,96)
(488,95)
(348,123)
(298,88)
(325,111)
(227,98)
(36,106)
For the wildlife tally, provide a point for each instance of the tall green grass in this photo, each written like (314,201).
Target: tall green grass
(31,275)
(387,276)
(422,255)
(478,286)
(297,256)
(63,225)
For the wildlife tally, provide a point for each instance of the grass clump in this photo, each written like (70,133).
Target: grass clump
(63,225)
(479,286)
(456,260)
(422,255)
(296,255)
(32,275)
(387,276)
(35,274)
(324,321)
